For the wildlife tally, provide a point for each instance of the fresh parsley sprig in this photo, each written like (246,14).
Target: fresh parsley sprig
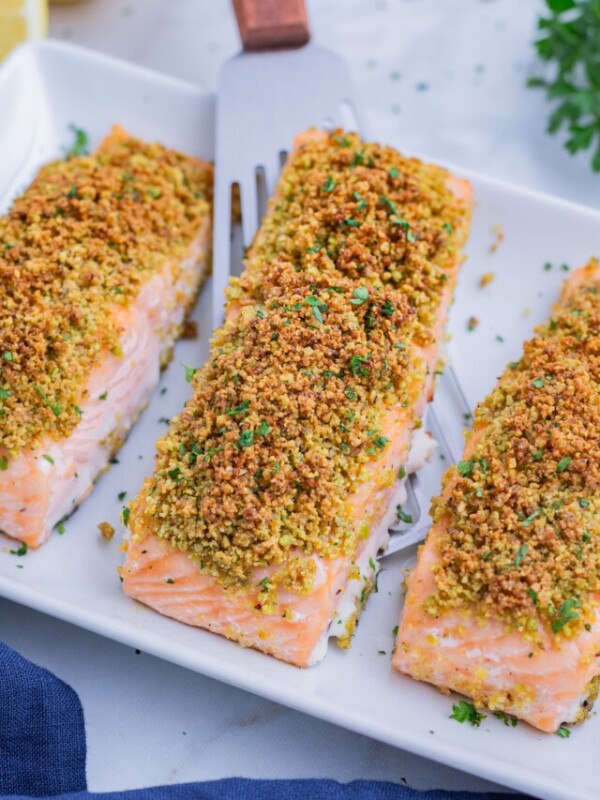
(569,42)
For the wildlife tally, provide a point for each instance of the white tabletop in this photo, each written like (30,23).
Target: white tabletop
(441,78)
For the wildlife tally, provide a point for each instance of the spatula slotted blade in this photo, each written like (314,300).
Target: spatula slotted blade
(265,99)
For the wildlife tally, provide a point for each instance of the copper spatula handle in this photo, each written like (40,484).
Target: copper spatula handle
(270,24)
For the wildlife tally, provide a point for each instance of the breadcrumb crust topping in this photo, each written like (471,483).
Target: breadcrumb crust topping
(522,540)
(343,277)
(76,245)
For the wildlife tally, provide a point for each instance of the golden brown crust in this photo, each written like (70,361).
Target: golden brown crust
(317,348)
(78,244)
(523,512)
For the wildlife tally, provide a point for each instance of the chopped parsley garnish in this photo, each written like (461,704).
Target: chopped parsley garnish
(3,463)
(154,192)
(80,142)
(264,585)
(402,516)
(465,468)
(318,306)
(239,409)
(566,613)
(246,438)
(350,222)
(121,496)
(534,596)
(563,732)
(78,410)
(48,458)
(538,383)
(22,551)
(103,396)
(401,473)
(466,712)
(521,555)
(507,719)
(537,455)
(563,464)
(387,309)
(175,474)
(170,580)
(4,394)
(60,528)
(447,227)
(125,515)
(328,185)
(7,356)
(584,503)
(360,296)
(263,429)
(528,520)
(54,407)
(379,443)
(357,368)
(189,372)
(393,172)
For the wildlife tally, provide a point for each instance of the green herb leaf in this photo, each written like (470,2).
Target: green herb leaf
(563,732)
(125,515)
(48,458)
(7,356)
(521,554)
(360,296)
(80,142)
(121,496)
(246,438)
(466,712)
(538,383)
(584,503)
(239,409)
(393,172)
(569,42)
(22,551)
(402,516)
(189,372)
(3,463)
(566,613)
(465,468)
(507,719)
(563,464)
(328,185)
(263,429)
(528,520)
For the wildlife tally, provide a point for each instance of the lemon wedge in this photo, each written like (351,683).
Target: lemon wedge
(21,20)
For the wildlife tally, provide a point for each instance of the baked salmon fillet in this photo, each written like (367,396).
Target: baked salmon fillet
(100,261)
(504,603)
(271,492)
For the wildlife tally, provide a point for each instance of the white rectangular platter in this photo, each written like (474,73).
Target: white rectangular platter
(46,87)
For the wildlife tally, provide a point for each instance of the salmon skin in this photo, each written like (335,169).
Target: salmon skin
(271,493)
(100,261)
(504,603)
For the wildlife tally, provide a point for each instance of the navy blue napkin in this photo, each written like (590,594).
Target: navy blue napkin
(42,753)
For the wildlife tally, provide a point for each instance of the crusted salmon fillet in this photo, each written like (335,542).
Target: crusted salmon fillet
(504,603)
(100,261)
(272,489)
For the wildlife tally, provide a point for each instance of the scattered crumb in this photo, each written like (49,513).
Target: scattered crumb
(190,330)
(486,279)
(499,238)
(106,529)
(472,323)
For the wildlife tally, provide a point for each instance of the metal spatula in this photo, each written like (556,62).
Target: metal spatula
(279,85)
